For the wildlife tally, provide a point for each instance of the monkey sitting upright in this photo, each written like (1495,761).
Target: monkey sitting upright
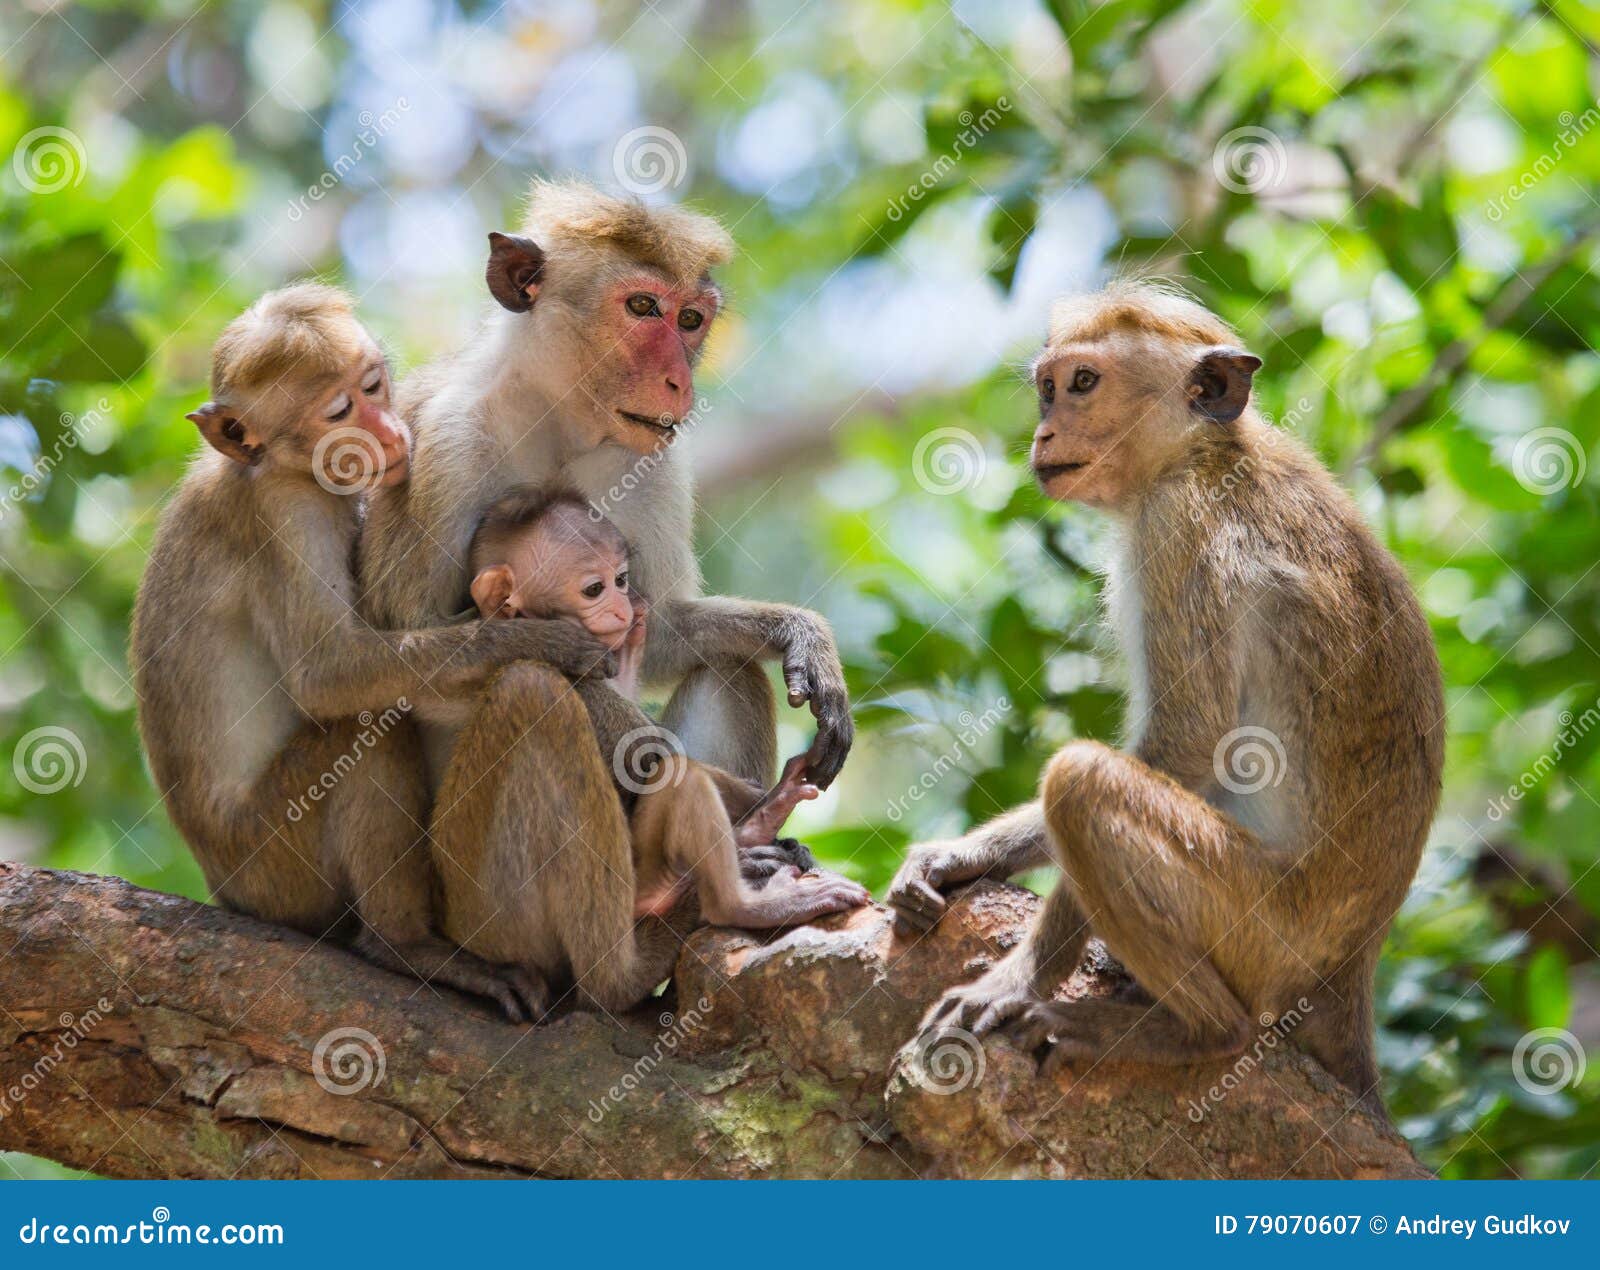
(1250,846)
(252,667)
(547,555)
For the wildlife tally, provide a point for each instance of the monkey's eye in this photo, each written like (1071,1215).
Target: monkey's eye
(372,382)
(622,580)
(642,304)
(1084,380)
(1047,390)
(338,408)
(594,590)
(690,319)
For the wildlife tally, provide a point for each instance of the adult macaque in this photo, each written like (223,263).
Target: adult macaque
(544,554)
(1286,724)
(581,380)
(252,666)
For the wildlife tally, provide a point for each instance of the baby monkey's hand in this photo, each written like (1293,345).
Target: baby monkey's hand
(761,823)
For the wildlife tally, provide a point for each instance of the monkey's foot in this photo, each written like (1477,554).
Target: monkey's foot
(1045,1029)
(983,1006)
(521,994)
(757,864)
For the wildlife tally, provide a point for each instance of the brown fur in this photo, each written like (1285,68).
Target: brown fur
(1249,594)
(253,671)
(540,398)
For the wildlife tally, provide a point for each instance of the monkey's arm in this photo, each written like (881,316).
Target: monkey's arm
(1191,664)
(1004,846)
(716,630)
(334,664)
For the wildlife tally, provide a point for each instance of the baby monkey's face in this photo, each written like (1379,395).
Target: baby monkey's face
(552,571)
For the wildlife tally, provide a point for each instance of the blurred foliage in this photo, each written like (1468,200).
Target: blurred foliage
(1405,232)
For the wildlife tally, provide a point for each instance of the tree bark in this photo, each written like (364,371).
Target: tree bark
(143,1035)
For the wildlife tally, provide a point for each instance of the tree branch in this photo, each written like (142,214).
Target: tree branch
(142,1035)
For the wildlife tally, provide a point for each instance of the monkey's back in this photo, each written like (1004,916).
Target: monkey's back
(1339,656)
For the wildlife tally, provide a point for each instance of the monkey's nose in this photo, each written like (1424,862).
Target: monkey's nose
(1043,434)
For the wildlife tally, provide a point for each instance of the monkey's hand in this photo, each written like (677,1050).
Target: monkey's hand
(813,674)
(759,826)
(930,868)
(557,642)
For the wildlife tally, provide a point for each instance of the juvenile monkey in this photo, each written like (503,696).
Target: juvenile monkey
(548,555)
(252,667)
(1252,843)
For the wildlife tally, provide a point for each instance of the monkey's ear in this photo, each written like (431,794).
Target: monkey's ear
(491,590)
(515,267)
(226,433)
(1219,385)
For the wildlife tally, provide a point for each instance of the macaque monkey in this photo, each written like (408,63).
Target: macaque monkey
(546,555)
(257,681)
(582,378)
(1252,842)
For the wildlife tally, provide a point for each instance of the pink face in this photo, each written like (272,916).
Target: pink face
(658,331)
(359,409)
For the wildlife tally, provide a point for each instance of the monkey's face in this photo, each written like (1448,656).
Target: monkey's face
(348,436)
(554,572)
(1118,411)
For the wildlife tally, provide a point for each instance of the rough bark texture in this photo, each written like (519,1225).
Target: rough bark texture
(225,1047)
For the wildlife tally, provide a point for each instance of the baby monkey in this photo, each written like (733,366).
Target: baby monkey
(548,554)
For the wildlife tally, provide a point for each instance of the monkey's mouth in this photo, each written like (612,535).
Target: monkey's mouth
(665,424)
(1047,472)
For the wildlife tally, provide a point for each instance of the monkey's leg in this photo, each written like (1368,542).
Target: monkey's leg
(684,821)
(376,829)
(728,719)
(1182,896)
(533,851)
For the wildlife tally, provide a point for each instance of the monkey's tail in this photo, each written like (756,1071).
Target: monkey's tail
(1339,1031)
